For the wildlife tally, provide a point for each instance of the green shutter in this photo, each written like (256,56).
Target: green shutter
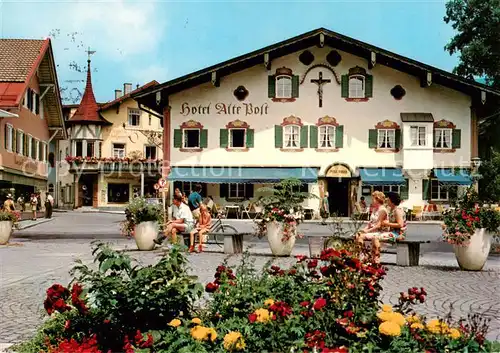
(304,131)
(404,190)
(271,86)
(345,86)
(313,136)
(204,138)
(177,138)
(368,86)
(339,136)
(250,138)
(426,183)
(278,136)
(373,138)
(295,86)
(397,138)
(223,138)
(456,138)
(14,141)
(25,149)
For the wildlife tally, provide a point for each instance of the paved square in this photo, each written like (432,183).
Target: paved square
(28,268)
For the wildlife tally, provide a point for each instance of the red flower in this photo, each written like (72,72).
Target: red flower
(335,350)
(348,313)
(319,303)
(211,287)
(305,304)
(300,258)
(312,263)
(281,308)
(67,325)
(148,343)
(252,318)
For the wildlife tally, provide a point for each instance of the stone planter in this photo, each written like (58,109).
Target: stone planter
(474,256)
(5,231)
(145,233)
(274,237)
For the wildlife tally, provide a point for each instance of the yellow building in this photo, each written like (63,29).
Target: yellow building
(113,152)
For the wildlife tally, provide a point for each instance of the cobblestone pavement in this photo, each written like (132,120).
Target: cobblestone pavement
(28,268)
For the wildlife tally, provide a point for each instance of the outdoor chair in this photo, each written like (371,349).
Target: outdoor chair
(416,212)
(258,211)
(246,207)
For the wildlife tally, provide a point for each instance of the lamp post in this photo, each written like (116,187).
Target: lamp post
(476,163)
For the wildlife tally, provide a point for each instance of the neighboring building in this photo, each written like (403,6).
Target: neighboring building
(31,120)
(342,115)
(111,153)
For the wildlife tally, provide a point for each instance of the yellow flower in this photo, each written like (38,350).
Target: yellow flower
(263,315)
(437,326)
(196,321)
(412,319)
(199,333)
(454,333)
(175,323)
(387,308)
(389,328)
(417,326)
(212,334)
(269,302)
(233,341)
(398,319)
(392,317)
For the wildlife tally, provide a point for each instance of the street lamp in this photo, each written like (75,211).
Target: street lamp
(476,163)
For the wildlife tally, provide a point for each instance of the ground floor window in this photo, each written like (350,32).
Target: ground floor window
(387,188)
(118,193)
(188,186)
(441,192)
(236,191)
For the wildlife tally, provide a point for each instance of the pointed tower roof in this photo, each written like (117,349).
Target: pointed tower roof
(88,110)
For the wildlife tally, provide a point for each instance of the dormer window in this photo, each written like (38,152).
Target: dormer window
(283,86)
(357,85)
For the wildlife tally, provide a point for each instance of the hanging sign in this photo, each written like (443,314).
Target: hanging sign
(338,171)
(162,182)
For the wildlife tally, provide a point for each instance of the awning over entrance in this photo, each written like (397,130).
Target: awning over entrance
(381,176)
(219,175)
(450,176)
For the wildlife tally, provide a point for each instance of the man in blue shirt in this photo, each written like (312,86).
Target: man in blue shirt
(194,201)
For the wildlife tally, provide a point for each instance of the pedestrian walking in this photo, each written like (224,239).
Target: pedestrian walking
(324,208)
(20,202)
(8,205)
(49,204)
(34,205)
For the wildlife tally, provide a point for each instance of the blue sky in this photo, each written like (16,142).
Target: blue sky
(140,41)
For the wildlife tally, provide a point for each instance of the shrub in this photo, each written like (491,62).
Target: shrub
(139,211)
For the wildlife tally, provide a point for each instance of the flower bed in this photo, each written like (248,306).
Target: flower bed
(324,305)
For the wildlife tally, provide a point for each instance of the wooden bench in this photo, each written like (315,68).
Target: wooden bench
(407,251)
(233,242)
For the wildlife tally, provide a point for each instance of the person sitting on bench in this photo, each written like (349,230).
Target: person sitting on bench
(182,222)
(396,221)
(375,225)
(202,228)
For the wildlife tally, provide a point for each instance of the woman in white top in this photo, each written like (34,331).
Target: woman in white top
(375,225)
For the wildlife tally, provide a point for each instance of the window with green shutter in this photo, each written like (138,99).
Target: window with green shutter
(295,86)
(203,138)
(372,138)
(224,138)
(250,138)
(357,85)
(345,86)
(271,86)
(446,136)
(386,137)
(283,86)
(237,135)
(191,136)
(304,132)
(368,86)
(339,136)
(177,138)
(278,136)
(294,135)
(313,136)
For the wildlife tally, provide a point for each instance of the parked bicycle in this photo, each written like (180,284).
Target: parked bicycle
(219,227)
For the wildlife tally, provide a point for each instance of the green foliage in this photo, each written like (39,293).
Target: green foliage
(10,216)
(139,211)
(283,195)
(490,178)
(477,24)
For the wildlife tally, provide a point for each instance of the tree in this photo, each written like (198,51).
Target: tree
(490,178)
(477,23)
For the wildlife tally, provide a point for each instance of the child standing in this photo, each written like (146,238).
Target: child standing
(202,228)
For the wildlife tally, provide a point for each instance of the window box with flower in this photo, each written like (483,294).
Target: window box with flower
(279,222)
(469,228)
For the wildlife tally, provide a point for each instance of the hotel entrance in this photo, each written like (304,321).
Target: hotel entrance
(338,185)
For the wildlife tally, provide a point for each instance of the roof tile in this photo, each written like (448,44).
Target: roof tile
(17,57)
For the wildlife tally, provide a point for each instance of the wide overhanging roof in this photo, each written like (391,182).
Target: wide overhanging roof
(219,175)
(332,39)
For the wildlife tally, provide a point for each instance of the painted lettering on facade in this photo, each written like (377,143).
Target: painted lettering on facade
(224,109)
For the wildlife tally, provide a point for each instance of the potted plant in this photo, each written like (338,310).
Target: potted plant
(469,228)
(142,222)
(7,220)
(281,205)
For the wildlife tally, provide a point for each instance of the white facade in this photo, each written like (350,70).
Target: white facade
(215,107)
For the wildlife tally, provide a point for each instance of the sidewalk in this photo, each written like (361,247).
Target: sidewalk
(28,223)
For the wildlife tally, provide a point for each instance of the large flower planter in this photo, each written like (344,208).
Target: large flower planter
(275,236)
(5,231)
(474,256)
(145,233)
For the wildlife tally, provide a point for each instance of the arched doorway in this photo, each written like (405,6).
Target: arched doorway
(338,184)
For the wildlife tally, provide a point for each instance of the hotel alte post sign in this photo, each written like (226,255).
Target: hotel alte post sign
(224,109)
(338,171)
